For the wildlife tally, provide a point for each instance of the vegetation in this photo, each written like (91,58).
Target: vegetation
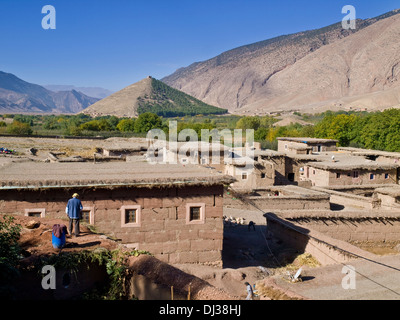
(113,261)
(376,130)
(9,254)
(169,102)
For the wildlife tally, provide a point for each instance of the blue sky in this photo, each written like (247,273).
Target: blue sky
(113,44)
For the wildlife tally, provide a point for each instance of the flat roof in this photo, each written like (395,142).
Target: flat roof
(306,140)
(29,174)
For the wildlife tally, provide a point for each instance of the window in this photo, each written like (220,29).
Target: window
(195,213)
(355,174)
(87,215)
(371,176)
(386,175)
(337,175)
(286,146)
(37,213)
(130,216)
(244,175)
(263,175)
(291,176)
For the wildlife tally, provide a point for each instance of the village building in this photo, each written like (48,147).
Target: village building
(173,211)
(350,170)
(305,145)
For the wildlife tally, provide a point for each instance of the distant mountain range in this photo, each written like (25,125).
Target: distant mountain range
(150,95)
(19,96)
(95,92)
(311,71)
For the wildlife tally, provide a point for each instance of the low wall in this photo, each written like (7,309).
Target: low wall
(322,247)
(349,199)
(281,198)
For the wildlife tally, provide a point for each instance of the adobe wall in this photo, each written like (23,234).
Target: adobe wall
(326,249)
(287,198)
(350,226)
(163,229)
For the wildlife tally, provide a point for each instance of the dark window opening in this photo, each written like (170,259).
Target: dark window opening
(195,213)
(85,216)
(291,176)
(130,216)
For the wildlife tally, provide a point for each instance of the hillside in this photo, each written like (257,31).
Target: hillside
(19,96)
(150,95)
(307,71)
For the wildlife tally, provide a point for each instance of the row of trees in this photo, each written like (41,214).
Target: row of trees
(377,130)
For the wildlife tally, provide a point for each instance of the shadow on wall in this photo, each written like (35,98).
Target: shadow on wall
(245,246)
(291,237)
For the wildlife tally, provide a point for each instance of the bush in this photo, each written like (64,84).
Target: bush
(19,128)
(9,254)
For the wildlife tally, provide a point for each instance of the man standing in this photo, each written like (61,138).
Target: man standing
(73,211)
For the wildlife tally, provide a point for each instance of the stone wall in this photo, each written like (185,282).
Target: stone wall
(163,229)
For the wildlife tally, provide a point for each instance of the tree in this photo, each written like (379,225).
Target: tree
(147,121)
(19,128)
(248,123)
(126,125)
(337,127)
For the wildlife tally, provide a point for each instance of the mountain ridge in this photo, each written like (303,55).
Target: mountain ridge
(240,78)
(19,96)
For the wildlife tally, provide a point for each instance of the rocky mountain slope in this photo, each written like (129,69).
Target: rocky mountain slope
(309,71)
(19,96)
(150,95)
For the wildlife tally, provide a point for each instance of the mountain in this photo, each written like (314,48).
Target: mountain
(310,71)
(150,95)
(19,96)
(95,92)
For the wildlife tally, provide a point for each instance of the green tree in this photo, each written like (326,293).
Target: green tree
(126,125)
(248,123)
(339,127)
(19,128)
(147,121)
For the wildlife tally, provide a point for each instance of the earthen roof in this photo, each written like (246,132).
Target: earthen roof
(30,174)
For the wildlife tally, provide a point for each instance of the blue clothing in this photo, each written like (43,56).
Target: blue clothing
(74,208)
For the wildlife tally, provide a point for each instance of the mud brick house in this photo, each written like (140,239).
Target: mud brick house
(350,170)
(172,211)
(305,145)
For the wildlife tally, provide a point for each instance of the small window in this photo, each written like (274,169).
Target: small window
(286,146)
(130,216)
(386,175)
(244,176)
(263,175)
(37,213)
(355,174)
(337,175)
(87,215)
(371,176)
(195,213)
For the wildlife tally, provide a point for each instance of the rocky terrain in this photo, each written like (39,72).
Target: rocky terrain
(311,71)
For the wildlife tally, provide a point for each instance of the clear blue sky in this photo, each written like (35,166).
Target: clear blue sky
(113,44)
